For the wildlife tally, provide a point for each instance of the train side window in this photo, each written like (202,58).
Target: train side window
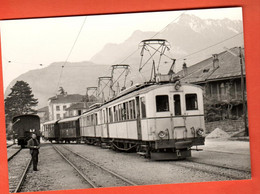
(162,103)
(177,104)
(103,116)
(110,115)
(120,112)
(143,107)
(95,119)
(92,119)
(126,113)
(132,109)
(191,101)
(116,113)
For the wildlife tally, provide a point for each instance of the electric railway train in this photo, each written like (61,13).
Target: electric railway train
(160,120)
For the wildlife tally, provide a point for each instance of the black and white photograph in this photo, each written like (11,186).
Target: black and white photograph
(126,99)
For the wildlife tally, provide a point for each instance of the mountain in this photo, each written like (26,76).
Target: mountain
(75,78)
(188,35)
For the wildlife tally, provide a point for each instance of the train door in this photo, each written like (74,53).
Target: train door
(178,120)
(138,118)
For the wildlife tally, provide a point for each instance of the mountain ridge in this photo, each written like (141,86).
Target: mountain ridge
(188,35)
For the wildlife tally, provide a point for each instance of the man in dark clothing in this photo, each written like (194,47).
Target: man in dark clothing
(33,144)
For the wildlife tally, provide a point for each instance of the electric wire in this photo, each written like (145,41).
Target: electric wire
(74,43)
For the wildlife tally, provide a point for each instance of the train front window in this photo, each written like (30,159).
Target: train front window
(191,102)
(162,103)
(177,104)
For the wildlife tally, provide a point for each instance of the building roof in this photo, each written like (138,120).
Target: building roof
(229,66)
(67,98)
(43,109)
(77,106)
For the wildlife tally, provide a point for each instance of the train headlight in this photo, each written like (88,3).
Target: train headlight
(161,134)
(200,132)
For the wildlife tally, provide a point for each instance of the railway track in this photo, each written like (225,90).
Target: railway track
(17,170)
(14,154)
(93,173)
(10,145)
(226,152)
(224,171)
(219,166)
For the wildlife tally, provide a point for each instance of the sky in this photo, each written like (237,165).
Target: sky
(29,44)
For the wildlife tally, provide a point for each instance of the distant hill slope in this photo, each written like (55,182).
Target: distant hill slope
(188,35)
(75,78)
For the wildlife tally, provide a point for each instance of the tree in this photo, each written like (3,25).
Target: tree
(62,91)
(20,101)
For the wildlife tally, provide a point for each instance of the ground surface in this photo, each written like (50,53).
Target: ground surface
(55,174)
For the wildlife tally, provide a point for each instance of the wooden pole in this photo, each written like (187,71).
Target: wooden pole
(243,91)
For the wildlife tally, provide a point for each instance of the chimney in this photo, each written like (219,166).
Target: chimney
(185,69)
(215,61)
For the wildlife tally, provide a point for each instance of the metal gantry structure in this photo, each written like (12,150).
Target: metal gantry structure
(155,49)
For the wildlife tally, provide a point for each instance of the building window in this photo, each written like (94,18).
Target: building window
(143,107)
(191,102)
(79,112)
(57,108)
(64,107)
(64,115)
(162,103)
(58,116)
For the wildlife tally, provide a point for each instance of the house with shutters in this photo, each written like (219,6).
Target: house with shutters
(220,77)
(57,105)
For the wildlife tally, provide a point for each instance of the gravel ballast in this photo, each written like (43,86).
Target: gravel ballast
(54,173)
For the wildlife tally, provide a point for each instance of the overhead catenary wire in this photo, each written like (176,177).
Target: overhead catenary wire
(185,57)
(151,38)
(74,43)
(203,49)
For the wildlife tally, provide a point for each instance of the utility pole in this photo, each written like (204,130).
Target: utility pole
(243,90)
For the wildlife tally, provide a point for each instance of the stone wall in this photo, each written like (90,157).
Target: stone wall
(229,126)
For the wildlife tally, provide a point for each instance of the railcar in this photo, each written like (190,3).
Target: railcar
(51,131)
(158,120)
(69,129)
(90,128)
(23,127)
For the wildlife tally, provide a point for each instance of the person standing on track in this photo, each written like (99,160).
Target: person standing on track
(34,146)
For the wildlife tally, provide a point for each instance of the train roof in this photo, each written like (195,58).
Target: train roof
(26,115)
(50,122)
(136,90)
(141,89)
(68,119)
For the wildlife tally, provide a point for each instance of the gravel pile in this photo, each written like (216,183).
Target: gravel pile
(218,133)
